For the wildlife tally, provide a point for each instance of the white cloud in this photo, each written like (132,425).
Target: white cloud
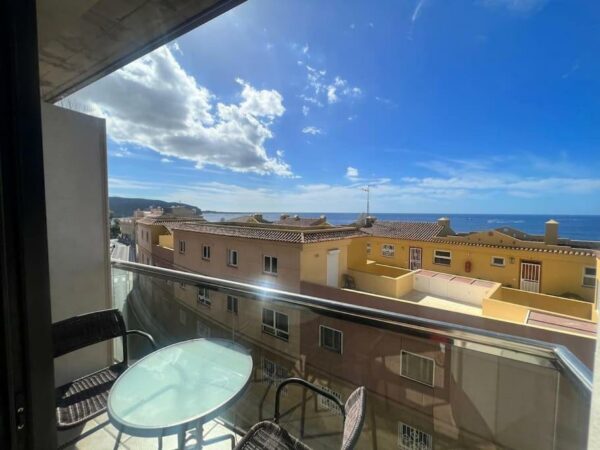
(154,103)
(305,110)
(166,160)
(305,49)
(352,26)
(312,130)
(409,194)
(416,11)
(122,152)
(324,90)
(351,173)
(491,176)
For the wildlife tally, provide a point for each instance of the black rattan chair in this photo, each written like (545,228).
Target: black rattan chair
(270,435)
(86,397)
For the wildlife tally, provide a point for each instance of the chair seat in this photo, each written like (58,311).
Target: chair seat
(86,397)
(270,436)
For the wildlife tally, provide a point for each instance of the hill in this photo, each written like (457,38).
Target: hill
(124,207)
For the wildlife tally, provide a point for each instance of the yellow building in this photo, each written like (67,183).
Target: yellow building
(153,239)
(544,264)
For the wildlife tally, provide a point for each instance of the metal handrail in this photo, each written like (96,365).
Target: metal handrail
(515,347)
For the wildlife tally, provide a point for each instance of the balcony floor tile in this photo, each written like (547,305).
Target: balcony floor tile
(99,434)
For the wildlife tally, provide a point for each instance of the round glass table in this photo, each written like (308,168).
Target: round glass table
(186,383)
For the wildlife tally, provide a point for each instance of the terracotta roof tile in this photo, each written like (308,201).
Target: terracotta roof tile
(565,251)
(297,221)
(405,230)
(271,233)
(164,219)
(251,218)
(432,232)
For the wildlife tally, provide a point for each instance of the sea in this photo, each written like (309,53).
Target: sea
(584,228)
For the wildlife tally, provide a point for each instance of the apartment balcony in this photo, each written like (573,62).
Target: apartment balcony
(430,384)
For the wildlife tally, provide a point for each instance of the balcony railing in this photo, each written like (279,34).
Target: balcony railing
(430,384)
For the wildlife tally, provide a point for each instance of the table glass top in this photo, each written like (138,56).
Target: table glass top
(180,383)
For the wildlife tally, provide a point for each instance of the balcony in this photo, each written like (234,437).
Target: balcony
(430,384)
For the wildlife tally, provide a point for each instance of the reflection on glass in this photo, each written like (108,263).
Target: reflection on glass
(422,394)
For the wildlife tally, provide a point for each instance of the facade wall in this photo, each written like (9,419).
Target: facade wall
(250,259)
(162,256)
(248,318)
(127,227)
(143,244)
(561,274)
(313,261)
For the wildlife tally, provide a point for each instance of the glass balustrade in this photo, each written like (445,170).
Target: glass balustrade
(427,389)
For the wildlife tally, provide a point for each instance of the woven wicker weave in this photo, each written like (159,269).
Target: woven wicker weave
(271,436)
(86,397)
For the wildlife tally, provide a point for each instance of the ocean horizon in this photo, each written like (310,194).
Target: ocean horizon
(579,227)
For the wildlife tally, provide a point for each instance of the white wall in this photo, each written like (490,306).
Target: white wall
(447,286)
(77,217)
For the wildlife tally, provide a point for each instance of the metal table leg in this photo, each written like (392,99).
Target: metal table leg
(200,435)
(181,439)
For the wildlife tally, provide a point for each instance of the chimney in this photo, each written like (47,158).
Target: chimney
(258,217)
(369,221)
(551,235)
(296,217)
(444,221)
(283,216)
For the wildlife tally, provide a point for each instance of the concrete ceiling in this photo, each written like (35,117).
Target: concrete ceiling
(82,40)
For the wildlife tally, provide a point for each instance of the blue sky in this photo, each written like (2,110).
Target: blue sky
(461,107)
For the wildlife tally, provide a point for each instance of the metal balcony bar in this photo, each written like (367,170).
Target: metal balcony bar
(533,351)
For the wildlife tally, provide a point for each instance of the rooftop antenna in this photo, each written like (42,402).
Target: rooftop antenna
(368,191)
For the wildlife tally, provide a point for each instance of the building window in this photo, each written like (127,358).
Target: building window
(331,339)
(270,265)
(204,296)
(325,403)
(202,330)
(498,261)
(181,246)
(388,250)
(443,257)
(416,367)
(275,323)
(410,438)
(206,252)
(274,373)
(232,258)
(368,248)
(589,277)
(182,286)
(232,304)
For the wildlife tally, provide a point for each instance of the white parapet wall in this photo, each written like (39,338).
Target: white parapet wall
(462,289)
